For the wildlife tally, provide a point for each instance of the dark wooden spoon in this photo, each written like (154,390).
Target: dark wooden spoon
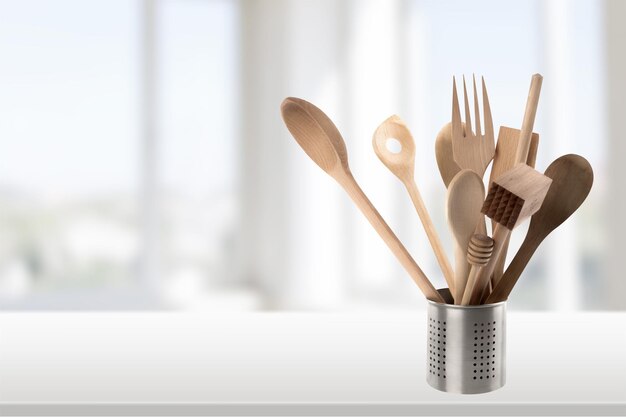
(572,178)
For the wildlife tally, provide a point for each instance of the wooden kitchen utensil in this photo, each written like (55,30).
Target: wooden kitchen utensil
(572,178)
(402,165)
(319,138)
(504,160)
(506,148)
(478,255)
(513,197)
(448,168)
(521,155)
(464,200)
(472,150)
(532,102)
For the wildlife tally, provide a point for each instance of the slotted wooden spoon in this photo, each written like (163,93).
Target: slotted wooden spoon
(402,165)
(319,138)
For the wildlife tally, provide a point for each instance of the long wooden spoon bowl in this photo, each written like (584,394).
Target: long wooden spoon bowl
(319,138)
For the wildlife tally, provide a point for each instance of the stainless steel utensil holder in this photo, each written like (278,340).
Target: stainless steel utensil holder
(466,347)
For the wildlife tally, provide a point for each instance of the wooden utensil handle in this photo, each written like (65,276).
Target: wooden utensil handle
(431,232)
(529,119)
(461,272)
(505,135)
(471,283)
(502,291)
(500,235)
(523,147)
(357,195)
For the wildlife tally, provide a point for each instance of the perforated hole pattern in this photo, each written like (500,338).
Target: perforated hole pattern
(484,341)
(437,347)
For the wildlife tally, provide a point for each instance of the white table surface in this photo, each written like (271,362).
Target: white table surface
(295,364)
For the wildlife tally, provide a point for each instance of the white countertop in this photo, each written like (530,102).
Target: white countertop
(295,364)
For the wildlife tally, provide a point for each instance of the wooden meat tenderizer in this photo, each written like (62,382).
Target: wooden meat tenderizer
(478,255)
(513,197)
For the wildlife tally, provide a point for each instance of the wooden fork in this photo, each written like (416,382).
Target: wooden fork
(472,150)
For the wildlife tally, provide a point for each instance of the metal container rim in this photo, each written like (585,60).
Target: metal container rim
(459,307)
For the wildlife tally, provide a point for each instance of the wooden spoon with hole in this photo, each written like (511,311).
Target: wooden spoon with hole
(402,165)
(572,178)
(319,138)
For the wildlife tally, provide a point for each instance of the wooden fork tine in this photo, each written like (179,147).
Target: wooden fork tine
(476,107)
(468,117)
(457,126)
(488,121)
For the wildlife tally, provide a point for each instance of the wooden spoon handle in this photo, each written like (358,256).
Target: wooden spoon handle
(461,272)
(521,154)
(471,283)
(526,132)
(431,232)
(357,195)
(509,279)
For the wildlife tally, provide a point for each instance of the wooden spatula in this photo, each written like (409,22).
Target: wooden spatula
(572,178)
(319,138)
(504,158)
(448,167)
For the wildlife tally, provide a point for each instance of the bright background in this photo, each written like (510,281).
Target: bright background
(144,164)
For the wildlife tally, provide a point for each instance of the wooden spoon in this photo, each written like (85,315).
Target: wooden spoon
(464,200)
(572,178)
(402,165)
(448,167)
(319,138)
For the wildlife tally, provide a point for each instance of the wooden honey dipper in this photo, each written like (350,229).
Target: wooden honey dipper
(478,255)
